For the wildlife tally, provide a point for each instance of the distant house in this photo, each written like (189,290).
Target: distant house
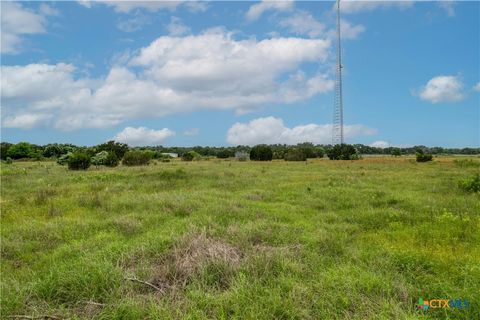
(173,155)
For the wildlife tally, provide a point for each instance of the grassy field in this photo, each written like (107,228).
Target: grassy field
(240,240)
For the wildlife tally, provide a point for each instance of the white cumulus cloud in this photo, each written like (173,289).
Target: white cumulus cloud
(303,22)
(26,121)
(18,21)
(256,10)
(152,6)
(271,130)
(477,87)
(443,89)
(171,75)
(448,7)
(380,144)
(143,136)
(350,31)
(176,27)
(354,6)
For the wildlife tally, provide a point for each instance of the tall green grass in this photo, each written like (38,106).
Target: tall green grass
(245,240)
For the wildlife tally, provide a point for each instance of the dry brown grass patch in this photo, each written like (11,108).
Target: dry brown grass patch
(196,257)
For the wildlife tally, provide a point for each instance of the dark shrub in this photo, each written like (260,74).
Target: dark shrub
(307,148)
(20,150)
(4,146)
(295,155)
(55,150)
(79,161)
(8,160)
(396,152)
(261,152)
(422,157)
(136,158)
(224,154)
(343,152)
(111,146)
(111,160)
(191,155)
(471,185)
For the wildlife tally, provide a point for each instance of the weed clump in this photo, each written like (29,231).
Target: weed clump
(472,184)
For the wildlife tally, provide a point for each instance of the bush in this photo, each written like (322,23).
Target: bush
(136,158)
(79,161)
(224,154)
(295,155)
(307,148)
(116,147)
(191,155)
(422,157)
(100,158)
(471,185)
(4,146)
(319,152)
(343,152)
(261,152)
(63,160)
(8,160)
(111,160)
(150,153)
(396,152)
(20,150)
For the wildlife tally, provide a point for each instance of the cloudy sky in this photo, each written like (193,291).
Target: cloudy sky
(227,73)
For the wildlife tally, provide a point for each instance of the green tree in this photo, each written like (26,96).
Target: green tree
(111,146)
(261,152)
(4,146)
(308,149)
(100,158)
(343,152)
(79,161)
(21,150)
(111,160)
(396,152)
(295,154)
(190,155)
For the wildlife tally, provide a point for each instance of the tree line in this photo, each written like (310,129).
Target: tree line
(25,150)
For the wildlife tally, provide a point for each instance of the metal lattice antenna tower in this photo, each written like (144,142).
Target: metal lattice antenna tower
(337,134)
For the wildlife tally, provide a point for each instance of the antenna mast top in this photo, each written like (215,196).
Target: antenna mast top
(337,134)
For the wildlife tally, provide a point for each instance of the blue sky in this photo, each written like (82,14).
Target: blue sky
(228,73)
